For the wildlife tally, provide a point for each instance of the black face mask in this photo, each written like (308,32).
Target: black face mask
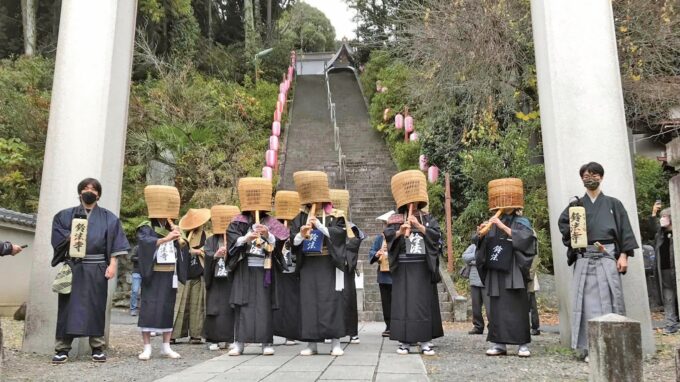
(591,184)
(88,197)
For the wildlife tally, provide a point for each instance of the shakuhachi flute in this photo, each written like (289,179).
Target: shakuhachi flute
(488,226)
(258,241)
(410,213)
(312,213)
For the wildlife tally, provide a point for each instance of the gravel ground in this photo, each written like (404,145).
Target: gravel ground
(462,357)
(459,357)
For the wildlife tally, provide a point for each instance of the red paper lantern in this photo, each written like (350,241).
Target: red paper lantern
(276,128)
(408,124)
(399,121)
(267,172)
(422,162)
(274,143)
(271,158)
(433,174)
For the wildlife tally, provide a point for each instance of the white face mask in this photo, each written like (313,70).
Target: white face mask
(665,221)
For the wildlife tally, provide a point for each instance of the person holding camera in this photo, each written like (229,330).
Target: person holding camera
(7,248)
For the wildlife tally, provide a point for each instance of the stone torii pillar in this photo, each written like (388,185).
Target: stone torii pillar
(85,138)
(583,120)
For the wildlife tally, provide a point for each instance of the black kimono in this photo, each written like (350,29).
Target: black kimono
(82,313)
(158,294)
(287,317)
(219,314)
(349,294)
(415,315)
(323,309)
(253,293)
(507,288)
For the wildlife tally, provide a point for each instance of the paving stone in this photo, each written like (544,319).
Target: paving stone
(343,372)
(245,373)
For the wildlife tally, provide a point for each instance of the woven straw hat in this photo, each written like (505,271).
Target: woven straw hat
(255,194)
(286,205)
(162,201)
(194,218)
(340,199)
(410,187)
(221,216)
(312,186)
(506,193)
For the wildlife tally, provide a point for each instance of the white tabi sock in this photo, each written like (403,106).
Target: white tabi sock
(165,348)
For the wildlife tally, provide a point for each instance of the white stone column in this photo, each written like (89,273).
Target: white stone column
(583,120)
(85,137)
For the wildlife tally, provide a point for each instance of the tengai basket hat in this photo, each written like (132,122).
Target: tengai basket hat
(286,205)
(221,216)
(340,200)
(312,186)
(162,201)
(255,194)
(506,193)
(194,218)
(410,187)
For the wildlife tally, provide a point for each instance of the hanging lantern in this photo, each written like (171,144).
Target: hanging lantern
(276,128)
(399,121)
(433,174)
(274,143)
(282,87)
(282,97)
(386,114)
(408,124)
(267,172)
(422,162)
(279,107)
(277,115)
(414,136)
(271,158)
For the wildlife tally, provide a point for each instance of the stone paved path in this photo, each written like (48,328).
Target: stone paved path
(374,359)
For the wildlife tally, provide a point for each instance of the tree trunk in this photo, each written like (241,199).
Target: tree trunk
(28,10)
(210,30)
(249,28)
(269,21)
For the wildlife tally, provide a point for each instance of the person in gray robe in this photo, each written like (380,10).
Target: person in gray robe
(503,260)
(478,294)
(596,282)
(665,265)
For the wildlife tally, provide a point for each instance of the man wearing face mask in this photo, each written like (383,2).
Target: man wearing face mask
(596,284)
(82,312)
(665,265)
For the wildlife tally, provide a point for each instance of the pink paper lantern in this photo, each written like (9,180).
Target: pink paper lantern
(277,115)
(433,174)
(399,121)
(422,162)
(386,114)
(276,128)
(274,143)
(408,124)
(271,158)
(414,136)
(282,87)
(267,172)
(282,97)
(279,107)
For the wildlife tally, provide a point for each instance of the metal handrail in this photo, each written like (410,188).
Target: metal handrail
(336,131)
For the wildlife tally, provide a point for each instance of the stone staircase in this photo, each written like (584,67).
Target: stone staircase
(368,167)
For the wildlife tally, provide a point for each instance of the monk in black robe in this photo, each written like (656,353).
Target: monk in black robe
(253,292)
(82,313)
(160,280)
(287,317)
(503,257)
(219,314)
(596,285)
(349,294)
(321,277)
(415,315)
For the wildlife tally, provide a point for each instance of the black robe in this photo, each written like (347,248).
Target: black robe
(253,293)
(349,294)
(415,315)
(287,317)
(508,299)
(219,314)
(82,313)
(323,308)
(157,308)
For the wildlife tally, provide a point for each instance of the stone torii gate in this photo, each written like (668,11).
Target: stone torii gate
(581,110)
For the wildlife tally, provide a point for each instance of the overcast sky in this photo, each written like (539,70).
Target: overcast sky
(339,14)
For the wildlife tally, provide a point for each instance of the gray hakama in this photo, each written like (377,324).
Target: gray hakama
(507,290)
(82,313)
(596,283)
(322,306)
(219,315)
(287,317)
(415,314)
(157,308)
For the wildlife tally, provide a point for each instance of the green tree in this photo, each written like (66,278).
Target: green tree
(307,28)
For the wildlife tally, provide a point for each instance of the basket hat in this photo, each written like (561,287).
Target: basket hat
(286,205)
(340,199)
(255,194)
(194,218)
(162,201)
(221,216)
(410,187)
(506,193)
(312,186)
